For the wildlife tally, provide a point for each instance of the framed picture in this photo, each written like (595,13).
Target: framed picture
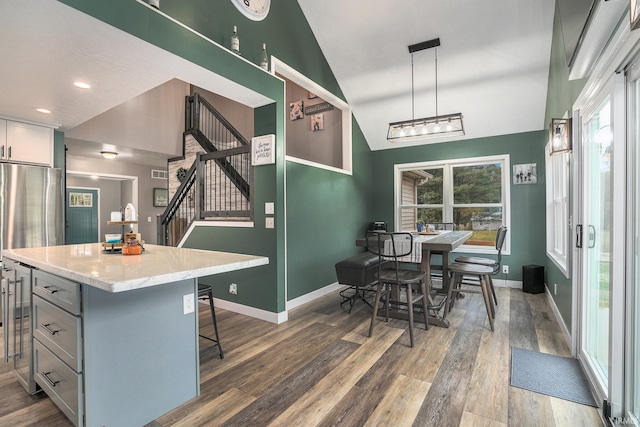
(317,122)
(296,110)
(160,197)
(525,174)
(80,200)
(263,150)
(635,14)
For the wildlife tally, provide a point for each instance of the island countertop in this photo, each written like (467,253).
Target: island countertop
(114,272)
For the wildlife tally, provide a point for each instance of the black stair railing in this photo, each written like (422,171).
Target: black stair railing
(219,182)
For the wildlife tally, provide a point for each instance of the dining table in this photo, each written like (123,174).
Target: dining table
(434,243)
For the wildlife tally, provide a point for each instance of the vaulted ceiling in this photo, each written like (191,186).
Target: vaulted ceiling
(493,62)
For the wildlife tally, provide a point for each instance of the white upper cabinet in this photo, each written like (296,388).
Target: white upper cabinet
(26,143)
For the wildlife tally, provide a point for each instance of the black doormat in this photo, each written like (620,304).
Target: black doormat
(555,376)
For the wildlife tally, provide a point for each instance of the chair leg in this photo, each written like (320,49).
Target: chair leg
(388,289)
(493,291)
(487,300)
(410,312)
(376,303)
(425,304)
(491,297)
(215,324)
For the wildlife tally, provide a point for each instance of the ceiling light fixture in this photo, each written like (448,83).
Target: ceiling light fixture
(82,85)
(428,127)
(109,154)
(43,110)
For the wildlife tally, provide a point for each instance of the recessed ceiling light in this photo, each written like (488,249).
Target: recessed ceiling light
(43,110)
(82,85)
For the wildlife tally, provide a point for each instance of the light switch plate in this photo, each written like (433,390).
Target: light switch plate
(269,208)
(269,223)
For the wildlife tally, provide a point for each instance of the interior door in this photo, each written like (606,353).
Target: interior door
(82,216)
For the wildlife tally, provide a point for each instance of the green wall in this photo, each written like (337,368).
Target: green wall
(527,231)
(335,203)
(561,95)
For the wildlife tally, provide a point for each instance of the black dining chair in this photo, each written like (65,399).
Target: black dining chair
(392,279)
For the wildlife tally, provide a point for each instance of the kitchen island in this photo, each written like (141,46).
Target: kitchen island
(115,337)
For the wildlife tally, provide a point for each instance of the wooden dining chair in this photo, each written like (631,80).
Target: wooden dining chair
(392,279)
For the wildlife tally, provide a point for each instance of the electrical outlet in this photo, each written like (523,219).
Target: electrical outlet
(188,304)
(505,269)
(555,289)
(233,289)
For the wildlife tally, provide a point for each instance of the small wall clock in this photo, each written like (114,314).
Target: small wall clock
(255,10)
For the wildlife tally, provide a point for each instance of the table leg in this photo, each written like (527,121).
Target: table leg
(425,266)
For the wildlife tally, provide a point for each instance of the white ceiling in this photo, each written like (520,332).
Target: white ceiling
(493,64)
(45,46)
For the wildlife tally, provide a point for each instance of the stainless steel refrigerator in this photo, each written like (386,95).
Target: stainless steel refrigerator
(31,215)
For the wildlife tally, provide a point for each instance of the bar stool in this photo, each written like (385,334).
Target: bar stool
(206,292)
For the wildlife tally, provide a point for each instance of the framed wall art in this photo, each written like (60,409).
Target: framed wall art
(160,197)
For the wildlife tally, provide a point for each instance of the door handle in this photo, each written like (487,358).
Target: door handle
(45,326)
(51,382)
(5,318)
(579,236)
(592,237)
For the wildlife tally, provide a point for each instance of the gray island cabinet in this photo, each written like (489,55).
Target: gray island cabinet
(114,342)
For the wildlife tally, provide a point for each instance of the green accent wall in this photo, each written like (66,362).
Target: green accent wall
(527,231)
(326,211)
(561,94)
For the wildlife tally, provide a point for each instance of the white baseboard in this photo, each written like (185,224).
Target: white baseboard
(297,302)
(269,316)
(502,283)
(251,311)
(563,327)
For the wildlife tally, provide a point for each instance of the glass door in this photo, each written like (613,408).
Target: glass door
(632,375)
(596,156)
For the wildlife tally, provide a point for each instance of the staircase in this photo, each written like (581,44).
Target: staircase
(218,185)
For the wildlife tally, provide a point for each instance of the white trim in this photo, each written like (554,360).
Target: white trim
(194,224)
(504,283)
(278,66)
(301,300)
(316,165)
(505,159)
(563,326)
(256,313)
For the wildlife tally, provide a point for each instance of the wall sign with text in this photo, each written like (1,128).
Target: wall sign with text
(263,150)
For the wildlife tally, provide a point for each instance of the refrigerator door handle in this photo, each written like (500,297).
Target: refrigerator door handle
(5,319)
(8,326)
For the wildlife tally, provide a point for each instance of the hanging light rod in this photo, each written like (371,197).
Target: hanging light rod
(426,127)
(424,45)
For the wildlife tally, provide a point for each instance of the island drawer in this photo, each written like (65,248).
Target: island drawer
(59,331)
(60,382)
(61,292)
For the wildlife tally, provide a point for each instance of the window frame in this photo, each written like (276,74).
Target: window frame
(447,195)
(557,197)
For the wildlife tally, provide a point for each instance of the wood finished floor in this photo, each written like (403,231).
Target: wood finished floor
(319,368)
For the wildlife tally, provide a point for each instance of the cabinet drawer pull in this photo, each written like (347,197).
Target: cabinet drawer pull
(47,290)
(46,328)
(45,375)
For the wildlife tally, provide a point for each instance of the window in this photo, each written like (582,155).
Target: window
(472,193)
(557,178)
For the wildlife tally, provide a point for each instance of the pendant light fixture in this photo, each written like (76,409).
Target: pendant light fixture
(427,127)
